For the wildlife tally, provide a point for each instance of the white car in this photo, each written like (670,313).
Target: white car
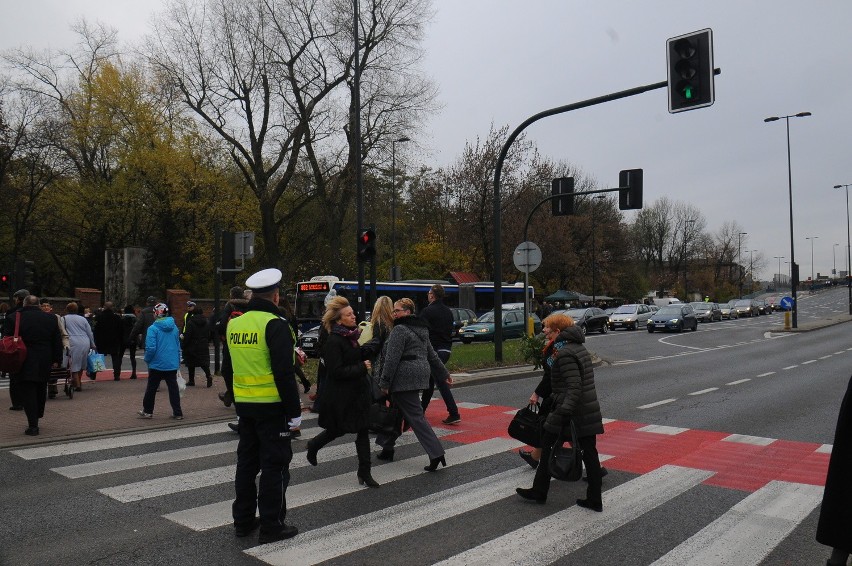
(630,317)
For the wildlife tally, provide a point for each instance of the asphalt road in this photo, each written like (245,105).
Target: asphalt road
(715,439)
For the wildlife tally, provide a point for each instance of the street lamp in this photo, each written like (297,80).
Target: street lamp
(848,250)
(812,238)
(779,258)
(394,268)
(740,260)
(793,284)
(594,268)
(834,260)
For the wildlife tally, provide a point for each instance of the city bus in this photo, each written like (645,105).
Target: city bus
(478,297)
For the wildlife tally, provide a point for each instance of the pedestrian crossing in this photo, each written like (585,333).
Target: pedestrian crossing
(183,477)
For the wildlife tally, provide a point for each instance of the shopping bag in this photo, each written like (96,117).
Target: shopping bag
(181,382)
(95,362)
(526,425)
(13,352)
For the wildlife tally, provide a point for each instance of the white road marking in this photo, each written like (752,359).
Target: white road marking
(219,514)
(808,362)
(751,529)
(657,404)
(740,381)
(746,439)
(549,539)
(766,374)
(662,429)
(825,357)
(466,405)
(790,367)
(703,391)
(824,449)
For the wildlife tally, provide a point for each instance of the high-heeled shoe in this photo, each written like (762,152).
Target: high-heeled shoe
(367,479)
(526,456)
(311,455)
(433,464)
(385,454)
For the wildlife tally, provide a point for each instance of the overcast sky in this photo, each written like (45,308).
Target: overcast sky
(501,61)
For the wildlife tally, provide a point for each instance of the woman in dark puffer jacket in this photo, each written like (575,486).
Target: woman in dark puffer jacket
(572,397)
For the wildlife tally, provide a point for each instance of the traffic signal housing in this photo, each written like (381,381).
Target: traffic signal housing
(366,245)
(690,71)
(562,205)
(5,283)
(630,189)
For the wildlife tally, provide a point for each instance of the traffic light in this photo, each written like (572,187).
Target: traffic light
(28,274)
(564,204)
(690,71)
(630,189)
(366,245)
(5,283)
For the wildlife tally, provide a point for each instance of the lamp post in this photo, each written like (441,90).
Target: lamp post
(740,260)
(793,283)
(812,238)
(594,265)
(394,268)
(779,258)
(848,251)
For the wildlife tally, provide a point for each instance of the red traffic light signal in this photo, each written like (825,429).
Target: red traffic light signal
(5,282)
(366,245)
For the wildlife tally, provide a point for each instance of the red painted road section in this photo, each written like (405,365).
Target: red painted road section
(737,465)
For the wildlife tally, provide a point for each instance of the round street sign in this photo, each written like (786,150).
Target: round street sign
(527,257)
(787,303)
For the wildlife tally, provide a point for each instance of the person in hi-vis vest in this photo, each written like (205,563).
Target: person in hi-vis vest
(260,361)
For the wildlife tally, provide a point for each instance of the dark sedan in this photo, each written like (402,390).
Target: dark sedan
(591,319)
(308,342)
(675,317)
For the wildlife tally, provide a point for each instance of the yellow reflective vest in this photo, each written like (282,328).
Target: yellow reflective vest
(253,379)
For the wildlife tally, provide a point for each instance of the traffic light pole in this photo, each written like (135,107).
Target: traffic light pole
(497,258)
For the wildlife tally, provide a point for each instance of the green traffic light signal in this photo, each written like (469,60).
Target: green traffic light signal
(690,71)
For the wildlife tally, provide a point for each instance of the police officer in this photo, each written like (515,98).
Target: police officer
(261,361)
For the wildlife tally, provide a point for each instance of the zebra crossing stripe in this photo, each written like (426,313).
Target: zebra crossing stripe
(83,446)
(334,540)
(178,483)
(751,529)
(77,471)
(219,514)
(564,532)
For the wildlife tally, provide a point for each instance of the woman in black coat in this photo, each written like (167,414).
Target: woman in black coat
(346,395)
(572,398)
(835,516)
(196,346)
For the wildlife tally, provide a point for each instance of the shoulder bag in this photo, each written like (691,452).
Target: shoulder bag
(566,463)
(13,351)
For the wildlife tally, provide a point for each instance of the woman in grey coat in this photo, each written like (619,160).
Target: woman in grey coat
(82,340)
(408,361)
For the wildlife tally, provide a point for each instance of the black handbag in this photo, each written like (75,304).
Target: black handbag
(566,463)
(384,419)
(526,425)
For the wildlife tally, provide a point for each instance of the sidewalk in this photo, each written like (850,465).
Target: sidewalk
(105,407)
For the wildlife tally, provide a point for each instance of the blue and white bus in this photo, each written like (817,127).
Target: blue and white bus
(479,297)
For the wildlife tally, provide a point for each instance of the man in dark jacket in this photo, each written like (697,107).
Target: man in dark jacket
(260,357)
(41,334)
(235,306)
(146,318)
(9,330)
(439,317)
(108,336)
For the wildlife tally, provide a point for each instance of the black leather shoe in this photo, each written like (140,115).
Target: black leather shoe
(526,456)
(589,504)
(16,408)
(234,426)
(311,455)
(433,464)
(246,529)
(287,531)
(227,398)
(32,431)
(531,495)
(385,454)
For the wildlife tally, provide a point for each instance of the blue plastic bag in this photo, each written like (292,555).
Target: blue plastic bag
(95,362)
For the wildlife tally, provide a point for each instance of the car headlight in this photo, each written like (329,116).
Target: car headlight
(483,330)
(674,320)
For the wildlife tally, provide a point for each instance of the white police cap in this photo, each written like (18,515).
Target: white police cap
(264,280)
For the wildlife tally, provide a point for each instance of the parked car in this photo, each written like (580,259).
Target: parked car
(308,342)
(513,326)
(746,307)
(728,310)
(763,306)
(676,317)
(630,317)
(461,318)
(706,311)
(590,319)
